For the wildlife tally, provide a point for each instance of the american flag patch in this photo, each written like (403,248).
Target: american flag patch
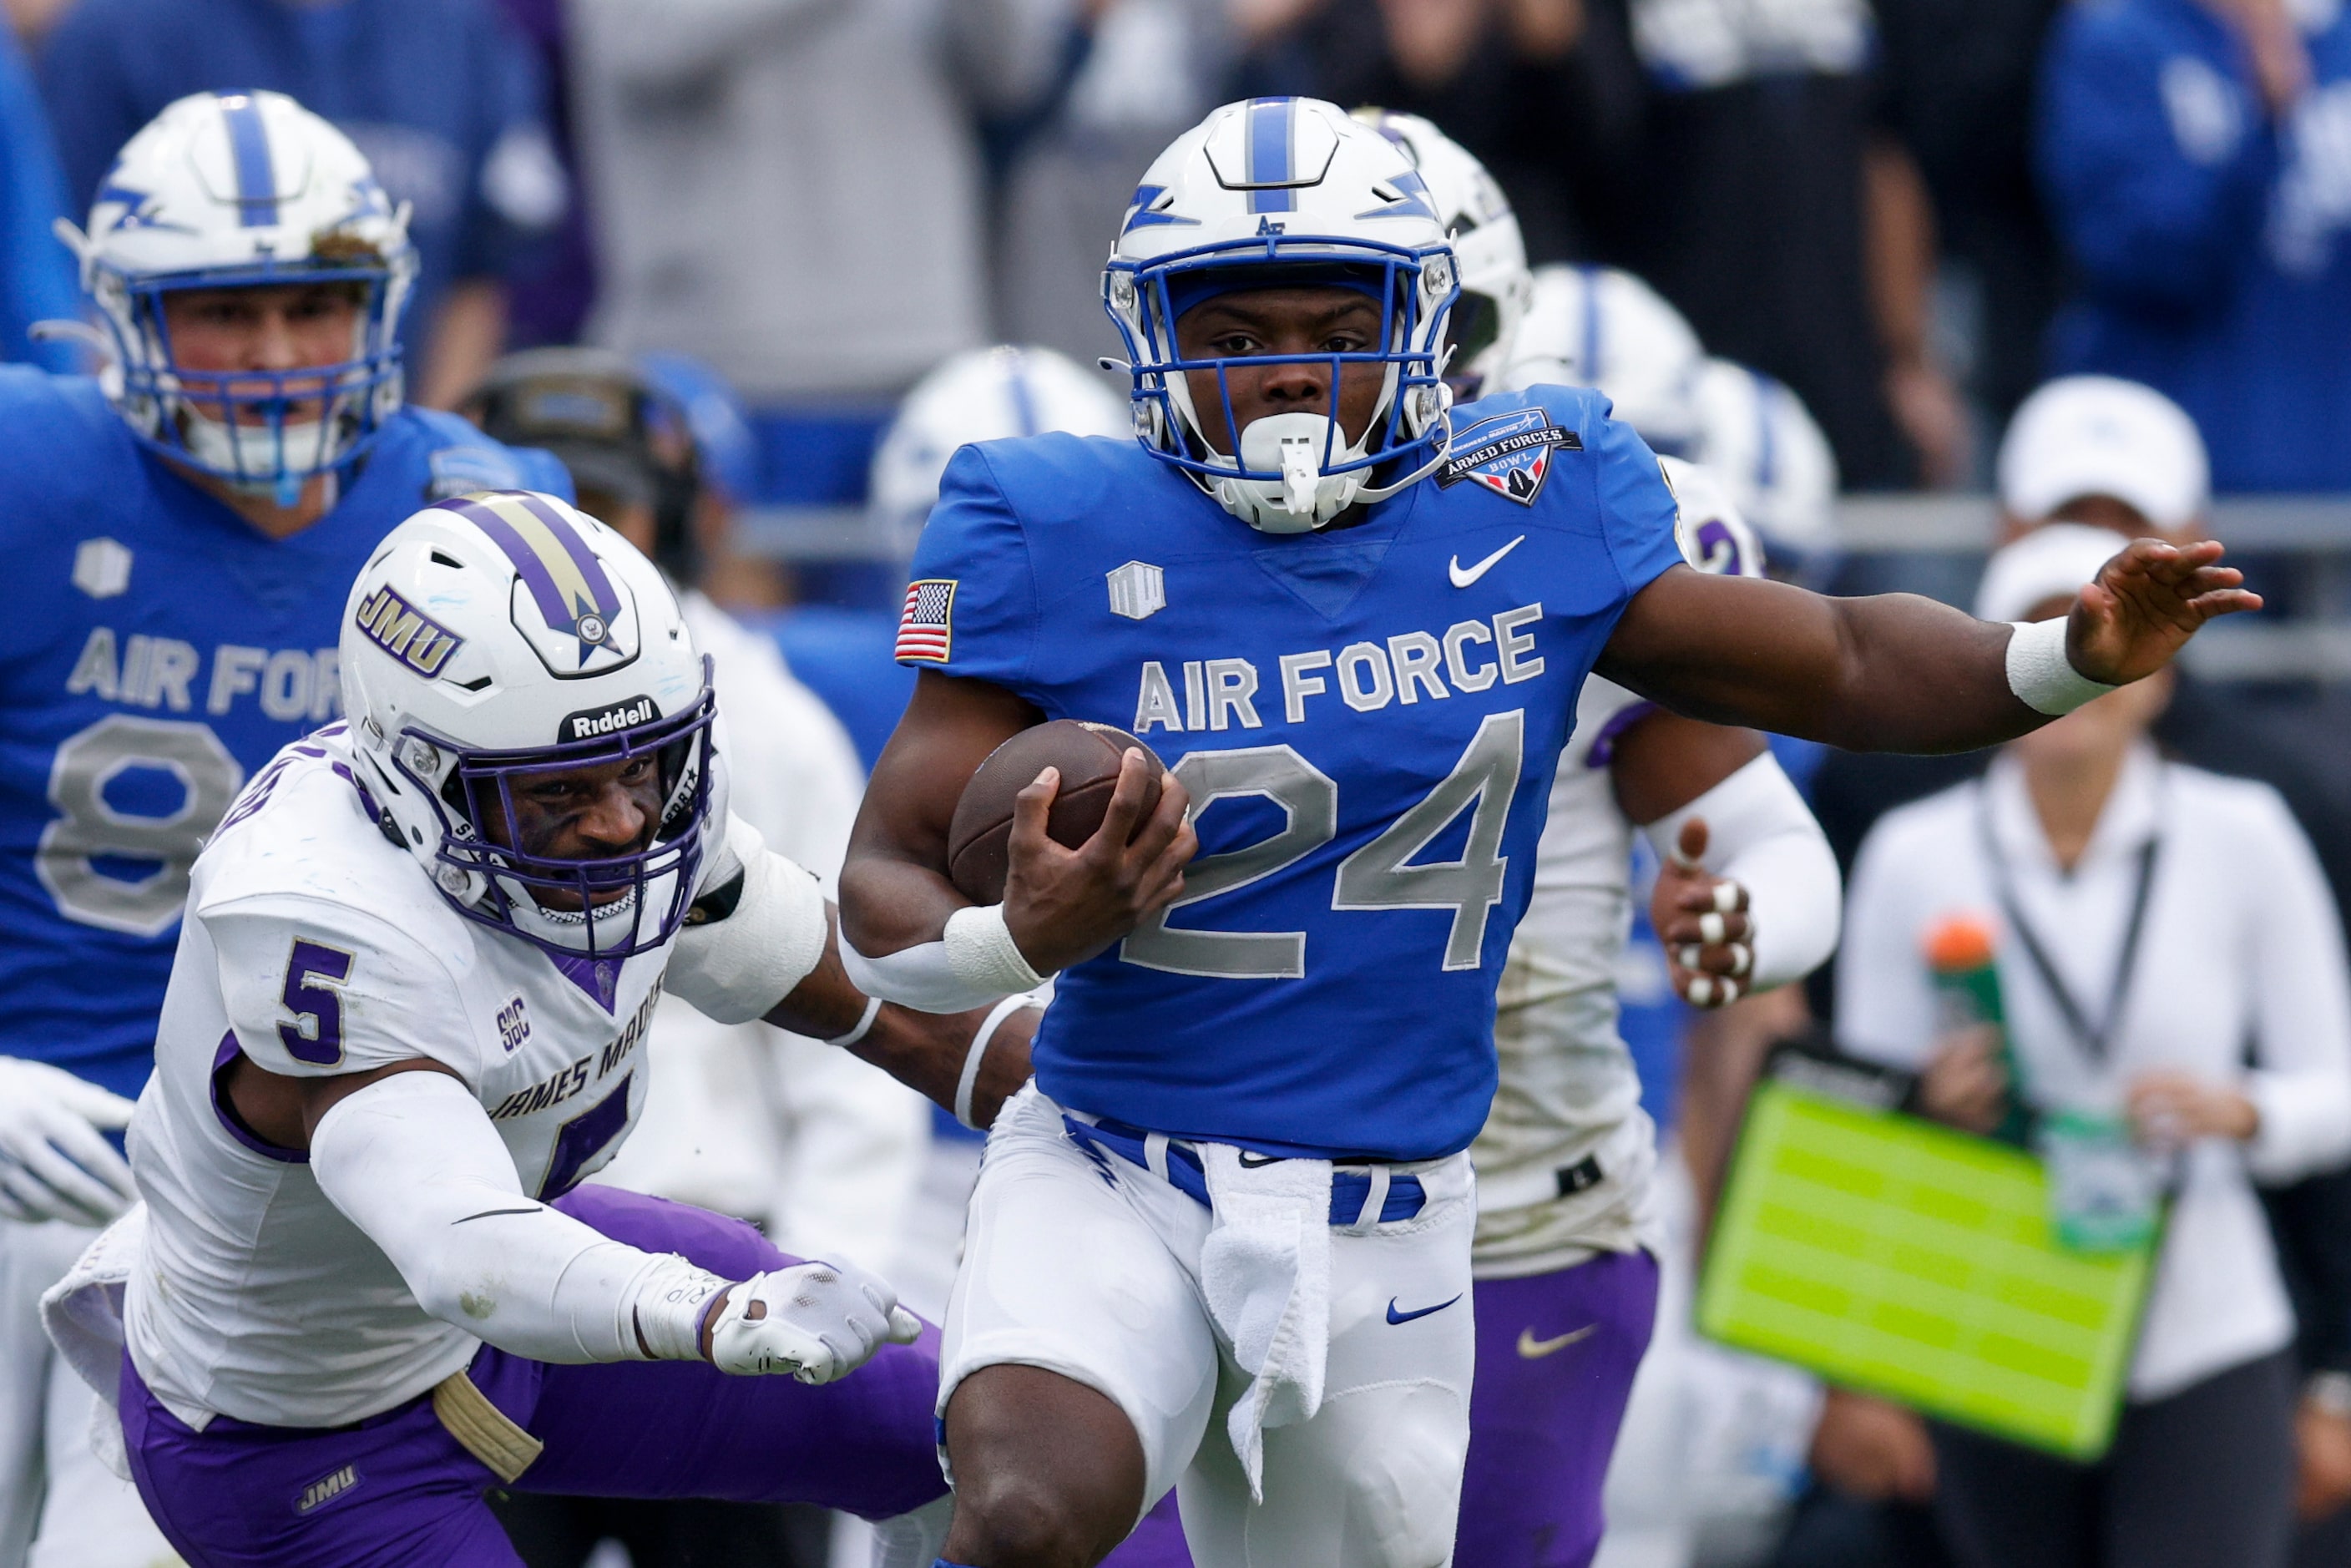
(928,623)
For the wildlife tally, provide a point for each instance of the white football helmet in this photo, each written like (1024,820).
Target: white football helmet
(1713,536)
(225,190)
(502,634)
(1286,192)
(981,394)
(1602,326)
(1488,248)
(1758,437)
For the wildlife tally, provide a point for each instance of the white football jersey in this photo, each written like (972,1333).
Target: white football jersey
(316,947)
(1564,1160)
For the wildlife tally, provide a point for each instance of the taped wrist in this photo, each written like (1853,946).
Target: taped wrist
(2041,675)
(1762,835)
(668,1305)
(976,963)
(735,968)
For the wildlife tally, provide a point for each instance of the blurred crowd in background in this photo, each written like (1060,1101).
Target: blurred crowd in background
(1907,211)
(786,214)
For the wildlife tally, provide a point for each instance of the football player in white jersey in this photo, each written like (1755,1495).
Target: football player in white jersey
(823,1152)
(1568,1235)
(407,1016)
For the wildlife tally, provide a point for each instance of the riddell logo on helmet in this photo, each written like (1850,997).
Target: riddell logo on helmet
(607,720)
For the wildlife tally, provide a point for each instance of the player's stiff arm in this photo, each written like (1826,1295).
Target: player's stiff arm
(1223,1242)
(407,1016)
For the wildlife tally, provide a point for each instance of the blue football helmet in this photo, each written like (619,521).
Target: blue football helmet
(1274,192)
(225,190)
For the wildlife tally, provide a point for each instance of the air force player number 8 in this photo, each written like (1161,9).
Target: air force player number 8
(143,898)
(1380,875)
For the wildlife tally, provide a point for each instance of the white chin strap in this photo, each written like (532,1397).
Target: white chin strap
(600,927)
(253,449)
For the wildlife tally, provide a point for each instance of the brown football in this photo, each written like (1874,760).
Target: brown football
(979,838)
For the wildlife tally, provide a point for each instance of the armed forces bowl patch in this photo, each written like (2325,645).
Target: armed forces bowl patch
(1509,455)
(926,624)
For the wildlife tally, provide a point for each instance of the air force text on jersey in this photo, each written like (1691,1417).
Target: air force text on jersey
(1402,668)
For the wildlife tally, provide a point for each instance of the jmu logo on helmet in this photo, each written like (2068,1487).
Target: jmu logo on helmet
(406,632)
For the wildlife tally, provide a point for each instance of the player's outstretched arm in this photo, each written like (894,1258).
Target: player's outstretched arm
(1898,673)
(408,1154)
(910,936)
(763,943)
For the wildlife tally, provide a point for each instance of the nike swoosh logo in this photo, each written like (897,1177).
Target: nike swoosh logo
(1535,1349)
(1462,579)
(1396,1317)
(1252,1159)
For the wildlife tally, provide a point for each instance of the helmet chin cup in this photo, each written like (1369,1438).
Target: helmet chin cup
(1303,497)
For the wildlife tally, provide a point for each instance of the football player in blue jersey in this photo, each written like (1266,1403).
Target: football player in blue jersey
(1355,623)
(181,531)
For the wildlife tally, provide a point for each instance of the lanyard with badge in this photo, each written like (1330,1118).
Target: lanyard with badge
(2105,1192)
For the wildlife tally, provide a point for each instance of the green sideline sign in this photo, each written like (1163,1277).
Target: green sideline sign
(1896,1255)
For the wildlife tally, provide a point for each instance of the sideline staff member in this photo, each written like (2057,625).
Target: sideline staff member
(2238,945)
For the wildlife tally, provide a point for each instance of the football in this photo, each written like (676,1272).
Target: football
(979,838)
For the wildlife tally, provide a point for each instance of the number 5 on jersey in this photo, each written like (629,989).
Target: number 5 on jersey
(1380,875)
(314,974)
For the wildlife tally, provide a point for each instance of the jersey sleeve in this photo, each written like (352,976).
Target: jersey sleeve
(971,609)
(315,990)
(1639,520)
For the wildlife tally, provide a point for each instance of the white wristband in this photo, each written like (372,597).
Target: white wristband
(864,1024)
(981,951)
(978,1053)
(2040,674)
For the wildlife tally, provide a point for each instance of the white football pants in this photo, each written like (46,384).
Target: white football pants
(1092,1270)
(90,1519)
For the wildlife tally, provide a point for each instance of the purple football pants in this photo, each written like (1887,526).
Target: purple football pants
(1556,1354)
(396,1490)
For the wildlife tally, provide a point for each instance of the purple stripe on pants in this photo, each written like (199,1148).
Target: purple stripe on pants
(397,1491)
(1556,1354)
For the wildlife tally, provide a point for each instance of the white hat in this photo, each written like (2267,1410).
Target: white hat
(2051,561)
(2097,435)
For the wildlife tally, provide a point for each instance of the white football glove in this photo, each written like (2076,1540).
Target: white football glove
(54,1162)
(819,1321)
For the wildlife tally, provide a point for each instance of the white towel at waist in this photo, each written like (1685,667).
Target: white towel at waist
(1265,1271)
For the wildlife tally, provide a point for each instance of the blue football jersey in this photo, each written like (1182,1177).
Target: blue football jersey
(161,651)
(1367,719)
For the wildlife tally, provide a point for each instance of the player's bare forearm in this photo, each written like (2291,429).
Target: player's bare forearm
(925,1053)
(1898,673)
(1893,672)
(894,890)
(923,1050)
